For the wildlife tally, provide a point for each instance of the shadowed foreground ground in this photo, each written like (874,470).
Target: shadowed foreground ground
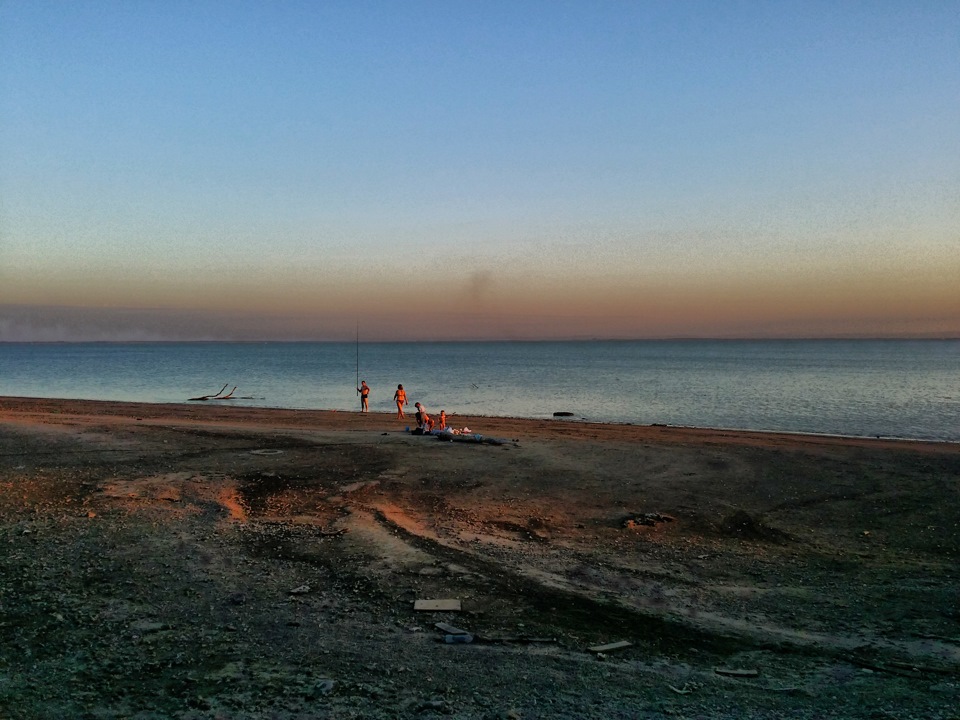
(198,561)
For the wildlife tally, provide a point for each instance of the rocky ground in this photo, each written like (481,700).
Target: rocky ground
(208,562)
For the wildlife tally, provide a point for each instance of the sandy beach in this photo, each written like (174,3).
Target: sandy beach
(210,561)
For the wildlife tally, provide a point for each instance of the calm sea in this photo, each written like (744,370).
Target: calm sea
(889,388)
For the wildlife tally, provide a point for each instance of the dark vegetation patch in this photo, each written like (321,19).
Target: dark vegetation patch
(525,532)
(308,478)
(644,519)
(744,526)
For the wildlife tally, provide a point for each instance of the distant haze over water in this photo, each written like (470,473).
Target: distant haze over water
(888,388)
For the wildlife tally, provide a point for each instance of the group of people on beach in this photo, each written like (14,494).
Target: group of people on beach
(424,421)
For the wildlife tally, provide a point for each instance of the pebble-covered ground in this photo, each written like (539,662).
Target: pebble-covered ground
(169,562)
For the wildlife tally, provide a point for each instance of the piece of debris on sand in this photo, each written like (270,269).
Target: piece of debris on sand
(737,672)
(609,647)
(444,605)
(450,629)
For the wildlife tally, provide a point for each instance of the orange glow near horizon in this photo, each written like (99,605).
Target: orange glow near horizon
(512,308)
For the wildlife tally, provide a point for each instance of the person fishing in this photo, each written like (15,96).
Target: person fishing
(364,391)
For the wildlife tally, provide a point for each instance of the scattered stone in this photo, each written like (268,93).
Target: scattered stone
(148,626)
(353,487)
(332,533)
(503,640)
(324,686)
(435,705)
(645,519)
(302,590)
(458,639)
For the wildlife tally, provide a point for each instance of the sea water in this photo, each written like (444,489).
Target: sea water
(888,388)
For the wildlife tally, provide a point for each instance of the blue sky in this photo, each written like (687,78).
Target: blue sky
(478,169)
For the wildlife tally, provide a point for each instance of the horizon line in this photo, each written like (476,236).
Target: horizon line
(678,338)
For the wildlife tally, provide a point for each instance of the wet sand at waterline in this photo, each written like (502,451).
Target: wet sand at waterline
(208,561)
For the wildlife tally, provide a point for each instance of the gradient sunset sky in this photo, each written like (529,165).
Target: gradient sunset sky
(474,170)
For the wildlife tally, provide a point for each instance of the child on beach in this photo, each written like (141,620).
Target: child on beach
(424,421)
(442,425)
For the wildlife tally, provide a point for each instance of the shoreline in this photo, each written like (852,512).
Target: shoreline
(351,341)
(899,393)
(482,424)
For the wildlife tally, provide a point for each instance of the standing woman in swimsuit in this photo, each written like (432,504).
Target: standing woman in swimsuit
(401,398)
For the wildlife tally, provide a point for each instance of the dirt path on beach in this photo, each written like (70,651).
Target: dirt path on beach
(195,561)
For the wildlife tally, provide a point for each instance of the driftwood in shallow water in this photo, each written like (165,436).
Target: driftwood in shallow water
(215,396)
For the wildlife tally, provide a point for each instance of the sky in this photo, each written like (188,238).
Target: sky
(478,170)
